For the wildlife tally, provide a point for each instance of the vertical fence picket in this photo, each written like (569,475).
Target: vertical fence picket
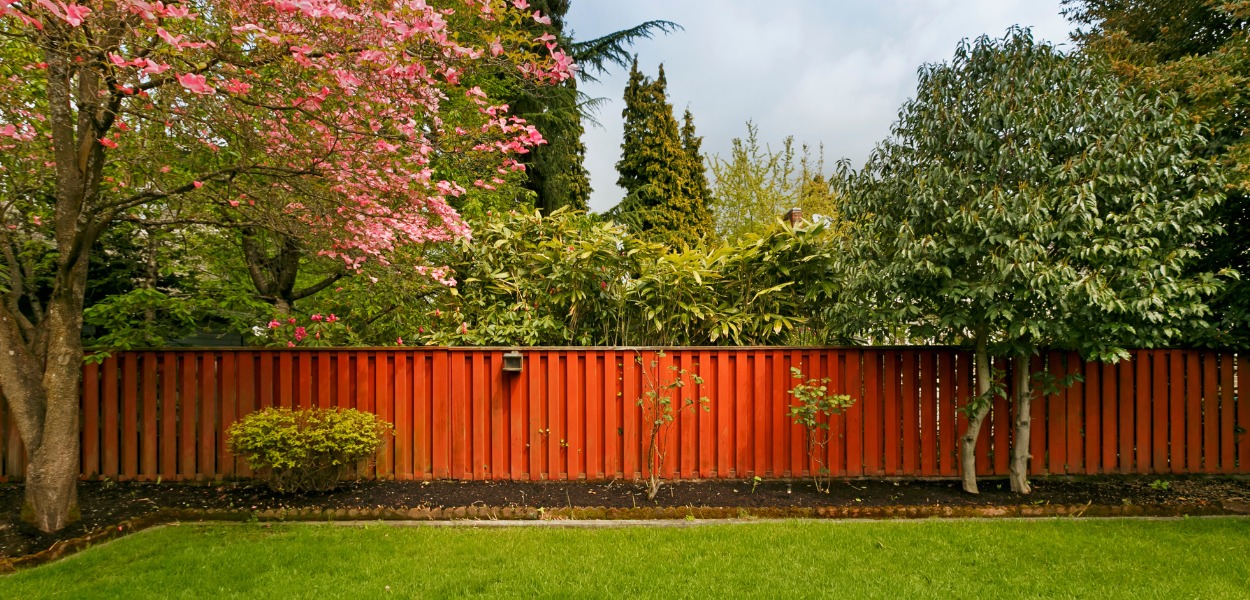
(1192,421)
(90,422)
(1110,418)
(1226,427)
(129,417)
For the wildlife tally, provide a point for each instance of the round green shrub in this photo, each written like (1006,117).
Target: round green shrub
(308,449)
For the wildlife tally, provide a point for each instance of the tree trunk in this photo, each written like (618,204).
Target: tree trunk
(1020,446)
(968,443)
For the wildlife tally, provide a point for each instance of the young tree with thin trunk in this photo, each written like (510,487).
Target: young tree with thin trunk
(108,107)
(1027,199)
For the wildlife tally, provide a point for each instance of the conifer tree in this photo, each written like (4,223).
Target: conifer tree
(556,171)
(694,150)
(665,185)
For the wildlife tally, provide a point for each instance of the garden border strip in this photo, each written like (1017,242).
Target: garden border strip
(488,513)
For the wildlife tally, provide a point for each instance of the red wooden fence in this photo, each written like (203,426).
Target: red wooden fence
(572,413)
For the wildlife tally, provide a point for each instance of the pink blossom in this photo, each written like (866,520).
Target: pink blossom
(300,334)
(274,324)
(540,19)
(107,143)
(521,4)
(290,344)
(197,184)
(399,340)
(234,86)
(331,318)
(196,84)
(74,14)
(291,320)
(316,317)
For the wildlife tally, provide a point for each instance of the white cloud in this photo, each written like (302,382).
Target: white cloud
(832,72)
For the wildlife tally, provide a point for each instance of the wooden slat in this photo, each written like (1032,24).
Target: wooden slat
(91,421)
(595,402)
(130,417)
(832,366)
(536,402)
(1192,422)
(854,419)
(1110,439)
(109,465)
(151,389)
(286,380)
(169,416)
(614,400)
(761,405)
(706,414)
(206,466)
(779,423)
(383,407)
(461,437)
(892,420)
(911,414)
(1126,376)
(245,365)
(1056,418)
(870,409)
(1144,439)
(228,404)
(574,419)
(928,414)
(440,424)
(999,434)
(187,415)
(1227,427)
(743,390)
(422,409)
(1075,415)
(724,399)
(1093,418)
(946,415)
(403,414)
(1210,413)
(1176,411)
(1243,413)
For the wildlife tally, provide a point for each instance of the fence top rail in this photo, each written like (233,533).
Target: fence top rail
(595,349)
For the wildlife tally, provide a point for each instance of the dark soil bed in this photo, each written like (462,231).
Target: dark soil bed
(106,504)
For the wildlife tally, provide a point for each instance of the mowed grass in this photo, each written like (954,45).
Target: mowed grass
(1194,558)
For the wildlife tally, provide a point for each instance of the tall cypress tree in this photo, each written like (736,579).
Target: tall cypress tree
(557,173)
(693,145)
(663,177)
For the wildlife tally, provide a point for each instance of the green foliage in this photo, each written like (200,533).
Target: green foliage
(567,278)
(1029,193)
(812,411)
(663,178)
(755,186)
(1200,51)
(537,279)
(306,450)
(659,409)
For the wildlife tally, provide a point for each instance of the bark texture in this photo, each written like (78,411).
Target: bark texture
(1020,446)
(968,443)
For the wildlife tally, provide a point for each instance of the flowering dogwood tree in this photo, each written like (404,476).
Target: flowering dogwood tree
(320,113)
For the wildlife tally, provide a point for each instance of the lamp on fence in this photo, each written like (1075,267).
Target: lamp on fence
(512,362)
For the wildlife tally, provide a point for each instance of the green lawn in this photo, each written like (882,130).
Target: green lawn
(1195,558)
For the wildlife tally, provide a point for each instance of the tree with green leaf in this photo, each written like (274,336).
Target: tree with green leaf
(1200,51)
(663,180)
(1027,199)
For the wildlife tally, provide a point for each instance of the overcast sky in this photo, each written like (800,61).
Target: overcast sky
(825,71)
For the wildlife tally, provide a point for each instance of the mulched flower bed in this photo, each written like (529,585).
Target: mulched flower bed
(106,505)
